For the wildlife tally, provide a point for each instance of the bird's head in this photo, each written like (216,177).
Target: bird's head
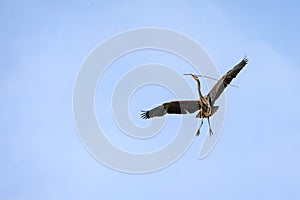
(193,75)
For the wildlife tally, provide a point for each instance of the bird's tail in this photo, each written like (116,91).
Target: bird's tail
(214,109)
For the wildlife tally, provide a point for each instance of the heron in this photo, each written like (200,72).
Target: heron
(205,105)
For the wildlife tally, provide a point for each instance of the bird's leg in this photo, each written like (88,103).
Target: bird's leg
(201,116)
(198,132)
(210,131)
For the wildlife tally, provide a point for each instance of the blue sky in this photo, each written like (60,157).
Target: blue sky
(43,45)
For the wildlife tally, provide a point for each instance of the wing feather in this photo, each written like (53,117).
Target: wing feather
(220,86)
(172,107)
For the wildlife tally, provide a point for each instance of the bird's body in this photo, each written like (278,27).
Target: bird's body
(205,104)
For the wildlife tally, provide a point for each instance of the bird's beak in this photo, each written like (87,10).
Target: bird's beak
(186,74)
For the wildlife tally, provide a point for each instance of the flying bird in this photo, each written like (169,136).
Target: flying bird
(204,105)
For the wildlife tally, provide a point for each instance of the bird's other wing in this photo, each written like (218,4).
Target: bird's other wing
(219,87)
(172,107)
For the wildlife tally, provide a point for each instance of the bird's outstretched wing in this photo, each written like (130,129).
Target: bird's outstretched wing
(172,107)
(219,87)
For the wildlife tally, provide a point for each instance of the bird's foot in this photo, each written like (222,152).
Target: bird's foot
(198,133)
(210,132)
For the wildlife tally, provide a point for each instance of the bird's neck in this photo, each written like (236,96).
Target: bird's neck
(200,94)
(199,91)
